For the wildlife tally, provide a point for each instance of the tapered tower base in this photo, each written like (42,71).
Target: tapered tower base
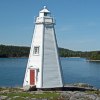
(43,68)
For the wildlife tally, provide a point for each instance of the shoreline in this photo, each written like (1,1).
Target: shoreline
(69,85)
(93,60)
(70,93)
(60,57)
(73,57)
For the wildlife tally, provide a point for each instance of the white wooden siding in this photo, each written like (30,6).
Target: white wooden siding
(51,68)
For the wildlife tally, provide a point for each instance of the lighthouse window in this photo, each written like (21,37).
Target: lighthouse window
(45,14)
(36,50)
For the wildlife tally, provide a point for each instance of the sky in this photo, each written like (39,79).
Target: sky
(77,22)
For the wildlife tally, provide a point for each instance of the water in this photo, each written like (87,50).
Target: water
(12,71)
(78,70)
(75,70)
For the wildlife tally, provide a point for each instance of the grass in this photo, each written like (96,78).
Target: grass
(22,95)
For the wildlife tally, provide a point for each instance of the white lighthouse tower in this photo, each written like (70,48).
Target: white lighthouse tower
(43,67)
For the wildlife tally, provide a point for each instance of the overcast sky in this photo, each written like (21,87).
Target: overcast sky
(77,22)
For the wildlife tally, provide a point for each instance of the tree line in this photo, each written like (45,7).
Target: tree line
(18,51)
(90,55)
(13,51)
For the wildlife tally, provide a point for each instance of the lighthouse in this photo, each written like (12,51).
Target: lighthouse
(43,68)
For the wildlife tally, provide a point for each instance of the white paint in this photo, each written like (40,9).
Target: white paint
(48,73)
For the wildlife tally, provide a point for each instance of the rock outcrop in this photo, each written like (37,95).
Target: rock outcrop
(78,91)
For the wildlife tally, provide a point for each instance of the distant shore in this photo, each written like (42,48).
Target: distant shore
(73,57)
(7,51)
(93,60)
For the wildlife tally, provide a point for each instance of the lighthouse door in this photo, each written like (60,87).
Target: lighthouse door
(32,77)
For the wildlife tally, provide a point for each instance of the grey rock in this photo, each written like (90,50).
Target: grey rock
(39,92)
(66,95)
(83,85)
(3,97)
(26,88)
(74,98)
(81,96)
(9,99)
(15,97)
(4,91)
(33,99)
(98,98)
(91,97)
(36,99)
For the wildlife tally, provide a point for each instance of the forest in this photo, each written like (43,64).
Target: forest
(13,51)
(90,55)
(21,51)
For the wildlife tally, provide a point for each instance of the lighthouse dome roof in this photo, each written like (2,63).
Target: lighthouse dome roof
(45,10)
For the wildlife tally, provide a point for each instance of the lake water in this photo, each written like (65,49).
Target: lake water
(75,70)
